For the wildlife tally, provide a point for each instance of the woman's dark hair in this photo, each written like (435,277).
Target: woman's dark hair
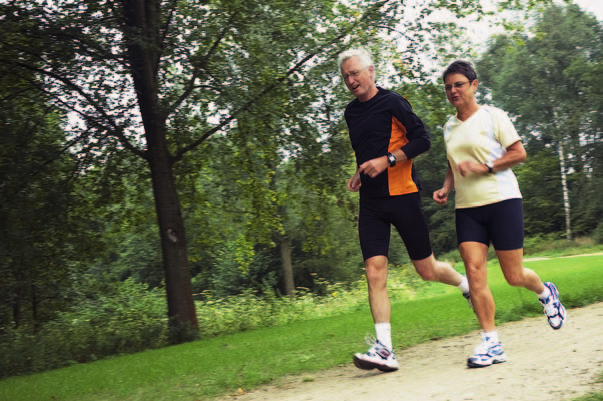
(460,67)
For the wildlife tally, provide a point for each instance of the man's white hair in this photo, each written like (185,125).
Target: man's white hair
(364,57)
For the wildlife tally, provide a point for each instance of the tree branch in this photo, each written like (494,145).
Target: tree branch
(114,128)
(202,65)
(180,154)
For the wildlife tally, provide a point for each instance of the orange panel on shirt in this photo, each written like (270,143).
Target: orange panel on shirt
(400,176)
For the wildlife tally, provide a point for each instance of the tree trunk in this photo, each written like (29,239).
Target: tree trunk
(181,306)
(287,266)
(143,36)
(34,309)
(566,201)
(17,309)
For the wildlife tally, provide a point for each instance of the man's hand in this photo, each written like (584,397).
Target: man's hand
(354,182)
(374,167)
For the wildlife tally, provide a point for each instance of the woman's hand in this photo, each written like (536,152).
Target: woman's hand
(470,167)
(441,196)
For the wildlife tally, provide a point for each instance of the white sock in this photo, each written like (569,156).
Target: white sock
(490,335)
(384,334)
(544,294)
(464,285)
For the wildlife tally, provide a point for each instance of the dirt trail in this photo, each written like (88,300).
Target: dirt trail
(543,365)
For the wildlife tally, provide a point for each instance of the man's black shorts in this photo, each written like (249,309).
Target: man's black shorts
(404,212)
(500,223)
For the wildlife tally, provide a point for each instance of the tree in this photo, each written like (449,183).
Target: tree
(538,79)
(148,77)
(47,221)
(158,78)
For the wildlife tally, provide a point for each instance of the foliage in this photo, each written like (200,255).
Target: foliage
(540,186)
(113,318)
(598,233)
(128,318)
(157,79)
(543,79)
(48,219)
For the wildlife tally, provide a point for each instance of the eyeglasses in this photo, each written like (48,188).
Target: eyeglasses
(455,85)
(352,74)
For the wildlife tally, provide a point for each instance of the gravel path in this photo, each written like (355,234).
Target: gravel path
(543,365)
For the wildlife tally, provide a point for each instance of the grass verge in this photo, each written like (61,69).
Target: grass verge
(206,369)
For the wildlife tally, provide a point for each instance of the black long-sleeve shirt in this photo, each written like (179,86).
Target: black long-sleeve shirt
(383,124)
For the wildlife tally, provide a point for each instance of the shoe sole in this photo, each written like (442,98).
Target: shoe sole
(563,313)
(368,365)
(472,365)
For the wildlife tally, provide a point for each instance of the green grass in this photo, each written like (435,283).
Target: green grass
(209,368)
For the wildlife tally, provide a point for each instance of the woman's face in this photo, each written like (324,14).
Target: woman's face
(459,90)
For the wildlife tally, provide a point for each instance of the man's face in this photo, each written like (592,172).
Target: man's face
(358,78)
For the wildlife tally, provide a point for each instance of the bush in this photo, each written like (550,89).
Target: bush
(598,234)
(130,320)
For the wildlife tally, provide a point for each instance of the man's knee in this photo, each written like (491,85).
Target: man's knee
(427,274)
(376,269)
(426,268)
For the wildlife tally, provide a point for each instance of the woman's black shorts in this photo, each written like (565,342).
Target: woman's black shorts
(500,223)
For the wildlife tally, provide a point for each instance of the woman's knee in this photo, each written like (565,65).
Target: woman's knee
(515,279)
(477,276)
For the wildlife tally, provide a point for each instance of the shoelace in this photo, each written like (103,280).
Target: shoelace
(376,347)
(484,347)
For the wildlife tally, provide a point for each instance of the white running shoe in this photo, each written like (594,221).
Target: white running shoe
(553,308)
(377,357)
(487,353)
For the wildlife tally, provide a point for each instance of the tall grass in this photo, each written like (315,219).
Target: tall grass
(248,311)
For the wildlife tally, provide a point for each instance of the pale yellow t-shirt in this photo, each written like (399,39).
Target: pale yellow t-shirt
(482,137)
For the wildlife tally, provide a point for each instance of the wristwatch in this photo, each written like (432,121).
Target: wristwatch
(391,159)
(490,166)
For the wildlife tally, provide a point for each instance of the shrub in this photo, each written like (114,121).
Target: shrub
(130,320)
(598,234)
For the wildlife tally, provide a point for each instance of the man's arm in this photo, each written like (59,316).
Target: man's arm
(416,133)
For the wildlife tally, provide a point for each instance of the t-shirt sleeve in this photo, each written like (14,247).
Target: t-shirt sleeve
(506,133)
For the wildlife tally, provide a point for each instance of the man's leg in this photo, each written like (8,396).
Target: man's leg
(432,270)
(410,222)
(376,276)
(380,355)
